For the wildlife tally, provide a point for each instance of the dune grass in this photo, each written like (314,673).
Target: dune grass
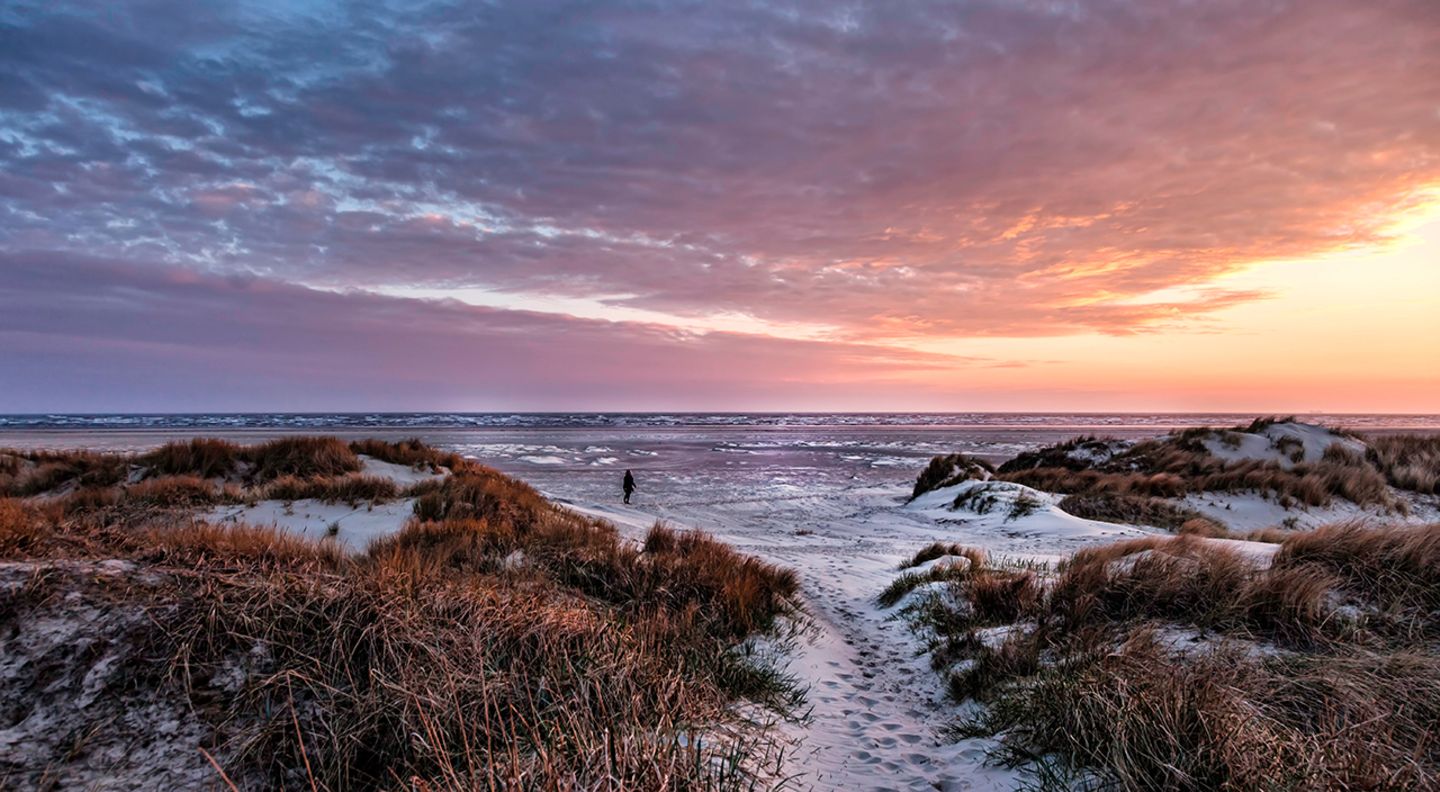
(960,563)
(187,474)
(349,488)
(34,472)
(936,550)
(1410,462)
(1187,581)
(1397,568)
(1129,510)
(944,471)
(1222,721)
(302,456)
(1179,464)
(1316,672)
(410,453)
(205,457)
(1177,473)
(497,641)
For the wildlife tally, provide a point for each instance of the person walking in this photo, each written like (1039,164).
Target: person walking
(628,485)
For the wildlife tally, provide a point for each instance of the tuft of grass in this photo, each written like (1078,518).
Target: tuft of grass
(1024,505)
(172,492)
(24,473)
(1273,534)
(352,488)
(1311,484)
(1410,462)
(247,547)
(1188,581)
(1018,656)
(410,453)
(40,472)
(22,528)
(947,470)
(741,594)
(936,550)
(477,492)
(1129,510)
(966,566)
(908,582)
(205,457)
(1204,526)
(1076,454)
(302,456)
(1395,567)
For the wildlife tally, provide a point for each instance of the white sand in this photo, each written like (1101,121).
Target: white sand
(400,474)
(1272,443)
(358,526)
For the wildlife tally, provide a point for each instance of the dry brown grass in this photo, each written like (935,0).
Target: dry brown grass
(1410,462)
(1310,484)
(1228,721)
(352,488)
(739,594)
(1396,567)
(944,471)
(509,644)
(1204,527)
(1129,510)
(248,547)
(187,474)
(173,491)
(24,473)
(302,456)
(972,595)
(1179,464)
(478,492)
(411,453)
(1272,534)
(1188,581)
(37,472)
(1332,703)
(22,528)
(1000,596)
(206,457)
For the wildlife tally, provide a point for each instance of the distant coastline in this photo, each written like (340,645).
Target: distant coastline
(1079,421)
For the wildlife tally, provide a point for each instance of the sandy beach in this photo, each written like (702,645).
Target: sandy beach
(832,503)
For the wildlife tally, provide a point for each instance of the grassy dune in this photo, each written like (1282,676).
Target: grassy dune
(1174,663)
(497,641)
(1111,478)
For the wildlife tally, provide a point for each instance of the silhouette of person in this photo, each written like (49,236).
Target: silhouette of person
(628,486)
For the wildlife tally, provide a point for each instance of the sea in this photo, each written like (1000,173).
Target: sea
(676,457)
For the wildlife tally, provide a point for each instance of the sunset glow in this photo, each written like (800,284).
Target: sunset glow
(787,206)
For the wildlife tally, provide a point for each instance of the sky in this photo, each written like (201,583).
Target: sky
(533,205)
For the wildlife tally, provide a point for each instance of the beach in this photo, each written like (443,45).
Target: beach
(829,501)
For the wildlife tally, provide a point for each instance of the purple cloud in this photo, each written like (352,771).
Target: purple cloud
(886,170)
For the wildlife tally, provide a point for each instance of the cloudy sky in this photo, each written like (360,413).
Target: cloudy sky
(533,205)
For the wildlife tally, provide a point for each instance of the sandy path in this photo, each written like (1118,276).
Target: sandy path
(876,708)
